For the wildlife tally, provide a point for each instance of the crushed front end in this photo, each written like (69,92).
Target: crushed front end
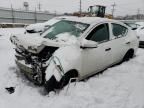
(34,65)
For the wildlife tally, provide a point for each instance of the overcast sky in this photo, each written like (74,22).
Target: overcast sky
(122,7)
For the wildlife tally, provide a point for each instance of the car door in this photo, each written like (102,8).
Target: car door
(96,59)
(119,42)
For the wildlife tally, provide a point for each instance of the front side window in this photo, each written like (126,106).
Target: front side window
(65,27)
(119,30)
(99,34)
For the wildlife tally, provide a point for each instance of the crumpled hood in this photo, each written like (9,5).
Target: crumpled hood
(30,42)
(36,42)
(26,40)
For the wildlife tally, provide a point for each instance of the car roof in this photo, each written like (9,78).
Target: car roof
(88,20)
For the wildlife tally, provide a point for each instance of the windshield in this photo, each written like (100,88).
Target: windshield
(65,27)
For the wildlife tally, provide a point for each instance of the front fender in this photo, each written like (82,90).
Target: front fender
(69,57)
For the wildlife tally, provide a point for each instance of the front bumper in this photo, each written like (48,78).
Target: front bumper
(27,69)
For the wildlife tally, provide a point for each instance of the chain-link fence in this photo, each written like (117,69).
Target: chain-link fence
(10,15)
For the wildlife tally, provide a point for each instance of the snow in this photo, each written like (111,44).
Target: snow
(41,26)
(37,27)
(140,23)
(27,40)
(67,38)
(51,21)
(121,86)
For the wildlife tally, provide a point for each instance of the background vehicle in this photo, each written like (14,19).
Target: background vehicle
(97,10)
(94,11)
(74,48)
(40,27)
(133,26)
(140,34)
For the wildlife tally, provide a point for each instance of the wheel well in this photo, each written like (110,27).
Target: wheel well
(54,84)
(72,72)
(65,79)
(130,52)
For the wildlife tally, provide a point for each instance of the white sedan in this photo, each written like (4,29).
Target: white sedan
(74,48)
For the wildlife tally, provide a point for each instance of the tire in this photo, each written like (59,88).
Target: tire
(53,84)
(128,55)
(66,78)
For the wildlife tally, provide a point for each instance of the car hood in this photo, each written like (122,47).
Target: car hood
(35,43)
(36,27)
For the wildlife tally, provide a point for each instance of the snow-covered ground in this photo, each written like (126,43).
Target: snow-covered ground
(121,86)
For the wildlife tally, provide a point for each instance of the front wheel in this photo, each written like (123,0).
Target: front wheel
(53,84)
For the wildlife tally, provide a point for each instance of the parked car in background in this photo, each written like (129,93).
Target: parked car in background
(75,47)
(140,23)
(133,26)
(140,34)
(41,27)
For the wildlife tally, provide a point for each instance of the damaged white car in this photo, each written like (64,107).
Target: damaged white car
(73,48)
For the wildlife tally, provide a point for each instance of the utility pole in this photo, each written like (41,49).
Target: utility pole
(39,7)
(80,8)
(55,12)
(13,17)
(35,15)
(113,9)
(138,13)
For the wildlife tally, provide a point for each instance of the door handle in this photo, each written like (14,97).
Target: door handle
(128,43)
(108,49)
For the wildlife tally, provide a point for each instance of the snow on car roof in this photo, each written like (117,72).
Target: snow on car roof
(88,20)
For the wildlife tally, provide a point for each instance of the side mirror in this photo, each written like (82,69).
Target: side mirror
(134,28)
(88,44)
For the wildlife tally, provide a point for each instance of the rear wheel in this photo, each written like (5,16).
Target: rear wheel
(128,55)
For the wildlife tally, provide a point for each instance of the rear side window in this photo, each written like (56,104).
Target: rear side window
(119,30)
(99,34)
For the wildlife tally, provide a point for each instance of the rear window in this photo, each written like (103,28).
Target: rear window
(119,30)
